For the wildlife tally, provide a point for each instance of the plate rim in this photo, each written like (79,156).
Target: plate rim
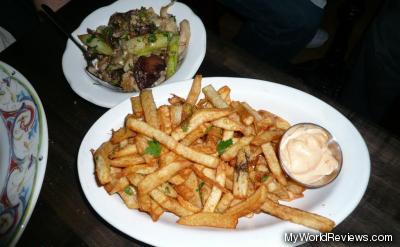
(209,80)
(42,151)
(87,95)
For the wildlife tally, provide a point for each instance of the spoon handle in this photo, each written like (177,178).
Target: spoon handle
(54,19)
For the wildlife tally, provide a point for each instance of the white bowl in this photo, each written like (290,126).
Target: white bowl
(23,152)
(74,64)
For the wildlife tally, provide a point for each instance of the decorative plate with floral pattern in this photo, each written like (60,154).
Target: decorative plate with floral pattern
(23,152)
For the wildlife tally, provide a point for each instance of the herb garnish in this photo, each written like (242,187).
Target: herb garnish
(222,145)
(128,190)
(185,126)
(264,178)
(154,148)
(152,38)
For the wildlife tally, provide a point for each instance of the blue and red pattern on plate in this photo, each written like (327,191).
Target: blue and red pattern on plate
(23,152)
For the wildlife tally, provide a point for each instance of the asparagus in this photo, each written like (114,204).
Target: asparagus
(172,56)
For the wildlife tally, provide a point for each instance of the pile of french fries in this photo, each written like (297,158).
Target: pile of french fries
(209,161)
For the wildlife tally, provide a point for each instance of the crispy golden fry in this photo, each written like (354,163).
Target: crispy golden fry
(176,100)
(187,205)
(144,202)
(267,136)
(216,193)
(195,134)
(135,178)
(116,184)
(209,219)
(176,115)
(198,118)
(128,149)
(213,96)
(232,151)
(281,123)
(192,183)
(251,204)
(228,124)
(184,191)
(294,187)
(254,113)
(136,106)
(227,134)
(102,163)
(241,176)
(121,134)
(273,163)
(168,203)
(143,169)
(129,196)
(126,161)
(150,108)
(160,176)
(177,180)
(165,119)
(298,216)
(168,190)
(224,92)
(197,157)
(207,180)
(156,211)
(245,116)
(167,158)
(224,203)
(205,192)
(194,90)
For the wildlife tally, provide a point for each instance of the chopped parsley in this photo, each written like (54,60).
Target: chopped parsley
(222,145)
(201,184)
(264,178)
(167,190)
(185,126)
(154,148)
(128,190)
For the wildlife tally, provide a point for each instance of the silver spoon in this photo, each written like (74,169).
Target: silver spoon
(54,19)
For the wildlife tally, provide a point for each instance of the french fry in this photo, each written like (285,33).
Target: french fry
(136,106)
(167,158)
(177,180)
(143,169)
(282,123)
(176,100)
(245,116)
(227,134)
(129,197)
(197,157)
(198,118)
(120,135)
(232,151)
(273,163)
(216,193)
(195,134)
(135,178)
(156,211)
(194,90)
(254,113)
(224,203)
(187,205)
(168,203)
(192,183)
(228,124)
(126,161)
(116,184)
(209,219)
(102,163)
(150,109)
(168,190)
(213,96)
(165,119)
(176,115)
(209,181)
(267,136)
(298,216)
(224,92)
(128,149)
(160,176)
(251,204)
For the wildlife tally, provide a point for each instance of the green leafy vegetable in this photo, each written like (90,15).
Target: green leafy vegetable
(264,178)
(222,145)
(201,184)
(154,148)
(185,126)
(128,190)
(152,38)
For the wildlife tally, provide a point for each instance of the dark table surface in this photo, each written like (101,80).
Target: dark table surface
(63,217)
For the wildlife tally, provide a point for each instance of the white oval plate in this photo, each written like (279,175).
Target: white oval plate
(335,201)
(23,152)
(73,62)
